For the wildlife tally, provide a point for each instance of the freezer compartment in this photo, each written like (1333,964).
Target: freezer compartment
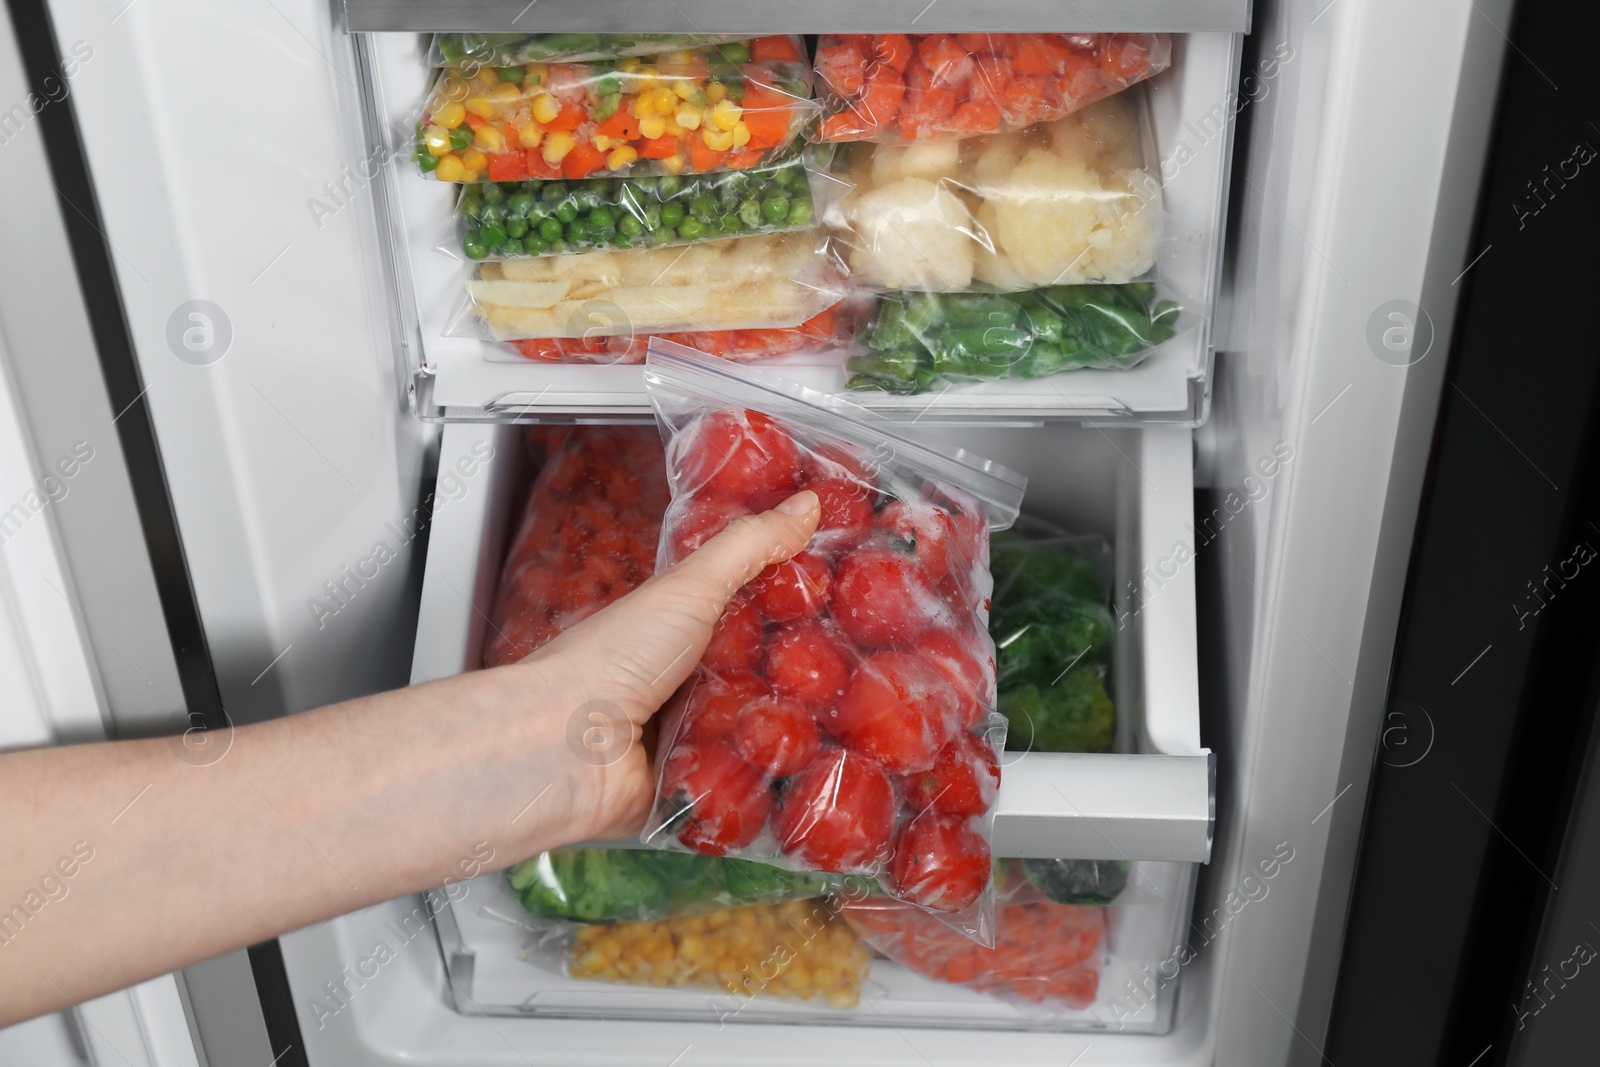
(501,961)
(1150,800)
(459,378)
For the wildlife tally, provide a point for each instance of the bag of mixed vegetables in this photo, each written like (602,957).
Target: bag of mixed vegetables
(768,281)
(472,50)
(1052,627)
(1062,203)
(915,341)
(1046,952)
(544,218)
(894,88)
(588,534)
(723,107)
(828,331)
(841,719)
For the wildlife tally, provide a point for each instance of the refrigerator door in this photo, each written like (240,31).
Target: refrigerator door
(292,453)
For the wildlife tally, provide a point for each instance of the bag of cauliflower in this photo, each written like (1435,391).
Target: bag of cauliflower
(1068,202)
(766,281)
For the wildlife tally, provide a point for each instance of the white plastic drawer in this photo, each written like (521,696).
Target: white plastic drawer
(465,379)
(1152,800)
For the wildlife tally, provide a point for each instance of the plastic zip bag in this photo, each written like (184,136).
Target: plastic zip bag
(1045,953)
(681,112)
(610,885)
(539,218)
(769,281)
(1054,636)
(917,340)
(892,88)
(473,50)
(842,717)
(1061,203)
(587,537)
(828,331)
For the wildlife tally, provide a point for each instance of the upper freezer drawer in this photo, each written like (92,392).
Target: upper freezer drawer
(1151,800)
(463,378)
(841,16)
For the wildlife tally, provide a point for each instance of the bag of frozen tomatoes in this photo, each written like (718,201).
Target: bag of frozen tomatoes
(843,717)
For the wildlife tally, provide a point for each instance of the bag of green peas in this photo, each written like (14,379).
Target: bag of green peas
(512,220)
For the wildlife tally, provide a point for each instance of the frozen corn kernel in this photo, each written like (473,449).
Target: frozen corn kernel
(437,140)
(630,64)
(479,105)
(717,140)
(621,157)
(529,135)
(652,126)
(672,164)
(688,118)
(683,88)
(490,139)
(741,135)
(557,145)
(473,158)
(725,114)
(533,73)
(716,92)
(602,142)
(506,92)
(545,107)
(450,115)
(450,168)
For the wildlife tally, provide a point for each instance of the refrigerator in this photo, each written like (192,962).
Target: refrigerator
(238,303)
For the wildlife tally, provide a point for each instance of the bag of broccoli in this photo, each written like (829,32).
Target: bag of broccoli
(1052,627)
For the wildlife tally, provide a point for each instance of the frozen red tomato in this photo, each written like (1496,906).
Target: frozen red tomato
(967,663)
(921,530)
(898,710)
(966,519)
(837,814)
(714,704)
(720,801)
(964,779)
(741,455)
(881,598)
(777,735)
(736,641)
(699,520)
(940,862)
(805,662)
(846,512)
(836,459)
(797,588)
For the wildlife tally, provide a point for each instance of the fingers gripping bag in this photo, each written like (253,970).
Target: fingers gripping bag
(588,535)
(1045,953)
(1063,203)
(721,107)
(766,281)
(842,719)
(895,88)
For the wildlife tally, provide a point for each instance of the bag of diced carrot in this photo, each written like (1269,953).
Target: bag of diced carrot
(828,331)
(894,88)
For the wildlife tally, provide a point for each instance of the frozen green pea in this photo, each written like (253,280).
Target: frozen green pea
(750,213)
(601,217)
(551,229)
(566,211)
(629,226)
(493,234)
(691,229)
(775,208)
(517,226)
(672,215)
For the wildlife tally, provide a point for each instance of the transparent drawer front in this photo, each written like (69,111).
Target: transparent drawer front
(463,378)
(501,961)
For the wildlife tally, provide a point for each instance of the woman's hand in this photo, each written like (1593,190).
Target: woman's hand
(622,663)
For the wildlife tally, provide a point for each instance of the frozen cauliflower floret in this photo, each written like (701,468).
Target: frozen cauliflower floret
(911,234)
(1104,135)
(1057,221)
(931,160)
(996,159)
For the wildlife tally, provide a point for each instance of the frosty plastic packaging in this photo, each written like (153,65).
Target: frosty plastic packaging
(798,950)
(915,341)
(1054,633)
(472,50)
(769,281)
(1044,953)
(896,88)
(542,218)
(827,331)
(841,719)
(587,536)
(724,107)
(610,885)
(1060,203)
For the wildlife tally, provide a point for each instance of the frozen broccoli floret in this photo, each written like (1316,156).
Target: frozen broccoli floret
(1074,714)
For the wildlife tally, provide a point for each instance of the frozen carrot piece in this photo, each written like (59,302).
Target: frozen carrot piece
(946,59)
(842,63)
(779,49)
(847,125)
(893,50)
(882,95)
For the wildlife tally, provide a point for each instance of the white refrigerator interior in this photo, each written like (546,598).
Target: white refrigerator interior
(217,136)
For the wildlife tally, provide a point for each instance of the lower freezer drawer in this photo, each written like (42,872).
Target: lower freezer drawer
(1152,799)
